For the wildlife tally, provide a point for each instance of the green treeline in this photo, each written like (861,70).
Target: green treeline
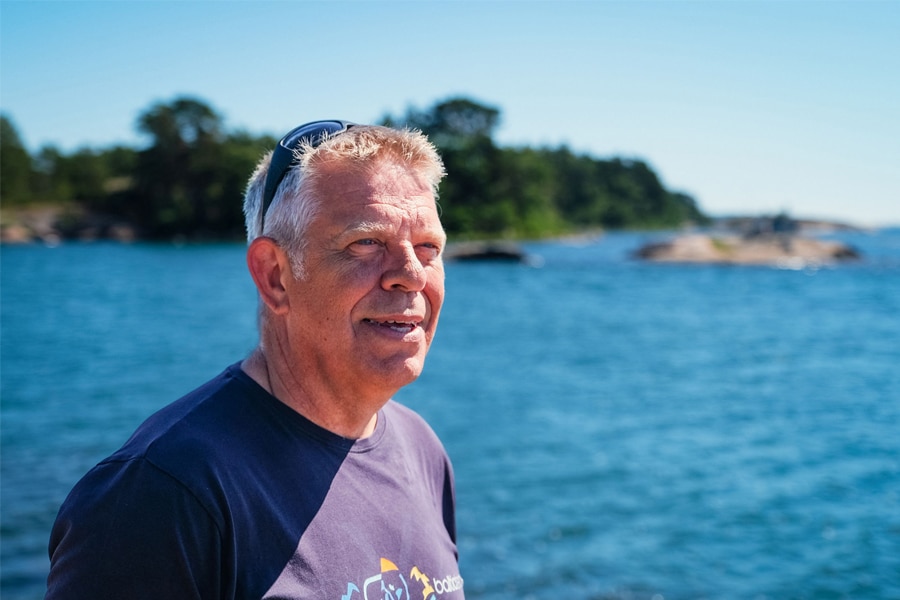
(189,180)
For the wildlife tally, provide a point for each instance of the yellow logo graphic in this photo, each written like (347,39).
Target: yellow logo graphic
(427,590)
(390,584)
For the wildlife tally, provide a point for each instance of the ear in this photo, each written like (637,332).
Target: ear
(270,267)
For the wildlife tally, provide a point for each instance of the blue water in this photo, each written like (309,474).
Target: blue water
(619,430)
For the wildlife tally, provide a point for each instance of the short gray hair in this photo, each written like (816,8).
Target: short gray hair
(296,201)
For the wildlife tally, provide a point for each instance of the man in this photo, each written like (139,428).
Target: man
(292,474)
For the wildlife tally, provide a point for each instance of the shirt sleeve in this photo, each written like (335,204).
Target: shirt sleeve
(129,530)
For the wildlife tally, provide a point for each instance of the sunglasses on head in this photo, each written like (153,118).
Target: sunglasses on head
(283,157)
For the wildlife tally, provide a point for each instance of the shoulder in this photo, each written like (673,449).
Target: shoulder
(422,452)
(127,522)
(133,487)
(401,417)
(194,442)
(408,432)
(197,422)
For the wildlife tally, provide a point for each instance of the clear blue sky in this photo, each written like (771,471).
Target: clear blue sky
(750,107)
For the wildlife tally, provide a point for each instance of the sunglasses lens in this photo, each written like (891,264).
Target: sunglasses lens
(314,133)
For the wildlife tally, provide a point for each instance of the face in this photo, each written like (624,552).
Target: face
(366,311)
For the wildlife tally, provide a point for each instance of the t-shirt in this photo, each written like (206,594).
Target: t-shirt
(229,493)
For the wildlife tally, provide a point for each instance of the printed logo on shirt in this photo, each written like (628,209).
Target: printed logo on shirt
(390,584)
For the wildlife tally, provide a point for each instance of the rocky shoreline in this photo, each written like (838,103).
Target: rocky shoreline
(780,250)
(773,241)
(52,225)
(769,240)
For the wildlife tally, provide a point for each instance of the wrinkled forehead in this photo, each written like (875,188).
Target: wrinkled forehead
(384,176)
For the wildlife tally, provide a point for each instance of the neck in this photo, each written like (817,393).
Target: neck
(347,417)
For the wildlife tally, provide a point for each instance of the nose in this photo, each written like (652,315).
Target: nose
(404,271)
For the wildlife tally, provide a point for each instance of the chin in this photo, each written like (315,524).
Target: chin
(404,373)
(412,371)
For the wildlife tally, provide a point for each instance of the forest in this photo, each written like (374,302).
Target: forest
(187,181)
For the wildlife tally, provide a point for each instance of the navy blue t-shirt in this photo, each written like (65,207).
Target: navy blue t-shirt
(229,493)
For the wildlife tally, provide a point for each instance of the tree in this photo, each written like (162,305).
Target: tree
(189,179)
(176,176)
(453,123)
(15,166)
(462,130)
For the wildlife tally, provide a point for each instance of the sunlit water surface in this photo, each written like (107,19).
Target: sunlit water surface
(619,430)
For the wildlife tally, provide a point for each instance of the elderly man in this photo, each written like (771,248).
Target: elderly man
(293,474)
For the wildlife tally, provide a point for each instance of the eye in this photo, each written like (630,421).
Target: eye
(429,250)
(364,246)
(367,243)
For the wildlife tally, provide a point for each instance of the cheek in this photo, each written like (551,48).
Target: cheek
(361,277)
(328,302)
(351,281)
(435,294)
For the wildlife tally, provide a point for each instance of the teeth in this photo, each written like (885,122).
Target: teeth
(393,323)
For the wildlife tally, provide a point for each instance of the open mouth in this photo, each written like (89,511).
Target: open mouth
(398,326)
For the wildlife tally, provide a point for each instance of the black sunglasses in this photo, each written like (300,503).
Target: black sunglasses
(283,157)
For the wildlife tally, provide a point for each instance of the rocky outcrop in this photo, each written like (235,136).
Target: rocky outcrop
(52,224)
(495,251)
(788,251)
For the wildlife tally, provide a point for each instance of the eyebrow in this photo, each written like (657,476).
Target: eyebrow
(363,227)
(373,228)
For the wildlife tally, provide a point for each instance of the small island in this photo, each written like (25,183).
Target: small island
(767,241)
(486,251)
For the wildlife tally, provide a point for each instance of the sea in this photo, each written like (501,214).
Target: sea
(620,430)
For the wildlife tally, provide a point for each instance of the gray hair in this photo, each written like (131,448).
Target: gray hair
(362,147)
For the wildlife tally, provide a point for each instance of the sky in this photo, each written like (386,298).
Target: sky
(751,107)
